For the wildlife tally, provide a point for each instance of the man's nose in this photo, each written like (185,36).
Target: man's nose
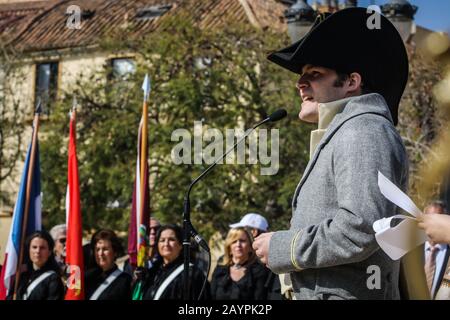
(301,84)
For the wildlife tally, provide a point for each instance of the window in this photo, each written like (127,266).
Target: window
(122,68)
(152,12)
(46,84)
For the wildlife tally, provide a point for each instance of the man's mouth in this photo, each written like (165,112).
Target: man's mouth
(307,98)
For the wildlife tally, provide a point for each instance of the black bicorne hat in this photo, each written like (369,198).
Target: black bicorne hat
(354,40)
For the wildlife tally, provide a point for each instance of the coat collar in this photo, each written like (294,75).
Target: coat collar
(327,112)
(372,103)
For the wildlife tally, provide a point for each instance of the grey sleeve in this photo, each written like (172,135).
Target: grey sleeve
(358,155)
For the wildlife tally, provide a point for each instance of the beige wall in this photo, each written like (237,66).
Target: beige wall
(71,68)
(10,185)
(78,67)
(5,223)
(20,84)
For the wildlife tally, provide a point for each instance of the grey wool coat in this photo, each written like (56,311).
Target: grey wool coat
(330,247)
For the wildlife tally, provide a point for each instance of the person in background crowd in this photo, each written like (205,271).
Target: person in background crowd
(436,226)
(106,281)
(256,224)
(153,256)
(58,234)
(436,254)
(165,280)
(40,278)
(240,276)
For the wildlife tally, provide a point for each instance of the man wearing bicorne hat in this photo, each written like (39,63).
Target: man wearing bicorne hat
(351,80)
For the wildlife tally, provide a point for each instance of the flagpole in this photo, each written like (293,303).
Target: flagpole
(144,163)
(27,197)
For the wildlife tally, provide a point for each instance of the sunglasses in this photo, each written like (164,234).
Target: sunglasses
(62,240)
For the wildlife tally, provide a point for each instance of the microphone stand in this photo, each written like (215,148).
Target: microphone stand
(188,229)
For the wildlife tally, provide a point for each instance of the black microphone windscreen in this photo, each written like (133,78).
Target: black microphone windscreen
(278,115)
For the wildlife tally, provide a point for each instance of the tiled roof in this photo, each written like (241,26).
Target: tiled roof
(47,29)
(13,16)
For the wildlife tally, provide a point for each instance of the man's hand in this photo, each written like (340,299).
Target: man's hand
(261,246)
(436,226)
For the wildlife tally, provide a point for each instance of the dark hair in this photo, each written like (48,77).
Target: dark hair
(437,203)
(343,76)
(88,257)
(175,228)
(106,234)
(42,234)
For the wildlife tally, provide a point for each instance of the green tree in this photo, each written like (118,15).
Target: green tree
(12,121)
(420,120)
(220,77)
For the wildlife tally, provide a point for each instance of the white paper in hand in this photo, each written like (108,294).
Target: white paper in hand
(405,236)
(395,195)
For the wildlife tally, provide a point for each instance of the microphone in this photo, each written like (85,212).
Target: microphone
(275,116)
(278,115)
(188,229)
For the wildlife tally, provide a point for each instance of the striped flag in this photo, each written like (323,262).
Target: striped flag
(27,200)
(138,237)
(138,228)
(74,249)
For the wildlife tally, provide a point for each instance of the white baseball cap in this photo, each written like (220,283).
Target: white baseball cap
(252,220)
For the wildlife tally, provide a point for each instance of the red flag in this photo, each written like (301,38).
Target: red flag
(74,249)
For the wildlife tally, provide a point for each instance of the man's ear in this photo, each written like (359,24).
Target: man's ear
(354,82)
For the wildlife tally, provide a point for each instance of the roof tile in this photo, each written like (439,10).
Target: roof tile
(44,27)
